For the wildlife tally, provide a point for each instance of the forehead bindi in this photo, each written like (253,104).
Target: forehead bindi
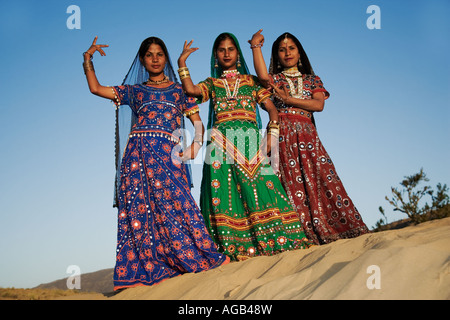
(226,44)
(155,49)
(287,43)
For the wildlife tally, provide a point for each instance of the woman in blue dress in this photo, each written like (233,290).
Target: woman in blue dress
(161,232)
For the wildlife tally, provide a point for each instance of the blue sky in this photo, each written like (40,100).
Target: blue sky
(388,115)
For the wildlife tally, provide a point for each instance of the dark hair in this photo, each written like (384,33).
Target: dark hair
(220,38)
(304,64)
(149,41)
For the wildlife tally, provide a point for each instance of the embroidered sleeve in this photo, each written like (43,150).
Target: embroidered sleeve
(190,106)
(261,93)
(317,86)
(122,95)
(206,89)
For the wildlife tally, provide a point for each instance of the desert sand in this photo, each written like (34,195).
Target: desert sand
(409,263)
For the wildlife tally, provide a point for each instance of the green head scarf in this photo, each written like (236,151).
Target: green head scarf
(216,72)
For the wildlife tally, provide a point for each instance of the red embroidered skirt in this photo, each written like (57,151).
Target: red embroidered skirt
(308,175)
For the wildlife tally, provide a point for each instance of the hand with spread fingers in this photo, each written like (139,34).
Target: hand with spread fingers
(187,50)
(281,93)
(95,47)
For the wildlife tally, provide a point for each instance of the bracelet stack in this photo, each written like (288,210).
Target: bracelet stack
(198,139)
(192,111)
(273,128)
(183,72)
(88,66)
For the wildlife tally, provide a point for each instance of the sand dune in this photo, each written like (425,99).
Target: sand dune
(409,263)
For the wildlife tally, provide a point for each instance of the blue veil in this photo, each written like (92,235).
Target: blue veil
(126,118)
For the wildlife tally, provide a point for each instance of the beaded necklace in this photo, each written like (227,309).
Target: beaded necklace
(230,74)
(156,82)
(292,73)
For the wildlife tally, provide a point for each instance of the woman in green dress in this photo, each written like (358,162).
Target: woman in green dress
(242,200)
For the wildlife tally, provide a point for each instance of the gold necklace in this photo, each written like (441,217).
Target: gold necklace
(156,82)
(292,73)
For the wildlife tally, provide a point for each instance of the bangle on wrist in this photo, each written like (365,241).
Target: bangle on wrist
(258,45)
(273,128)
(273,123)
(84,53)
(200,142)
(183,72)
(88,66)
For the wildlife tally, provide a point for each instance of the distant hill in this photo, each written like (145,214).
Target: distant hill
(98,281)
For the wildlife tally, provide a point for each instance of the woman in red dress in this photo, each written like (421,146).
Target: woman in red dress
(307,173)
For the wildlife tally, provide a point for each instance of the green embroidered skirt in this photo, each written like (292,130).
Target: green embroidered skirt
(242,201)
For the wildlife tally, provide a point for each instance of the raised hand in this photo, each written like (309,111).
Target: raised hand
(187,50)
(257,39)
(96,47)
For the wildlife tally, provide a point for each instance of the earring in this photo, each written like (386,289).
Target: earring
(216,64)
(238,63)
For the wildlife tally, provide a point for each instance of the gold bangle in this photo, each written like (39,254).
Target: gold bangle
(183,72)
(184,76)
(192,111)
(91,54)
(273,135)
(273,125)
(88,66)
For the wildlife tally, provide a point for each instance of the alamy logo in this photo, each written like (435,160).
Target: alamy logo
(74,20)
(374,280)
(74,280)
(374,21)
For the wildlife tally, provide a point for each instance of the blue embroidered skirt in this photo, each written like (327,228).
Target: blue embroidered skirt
(161,232)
